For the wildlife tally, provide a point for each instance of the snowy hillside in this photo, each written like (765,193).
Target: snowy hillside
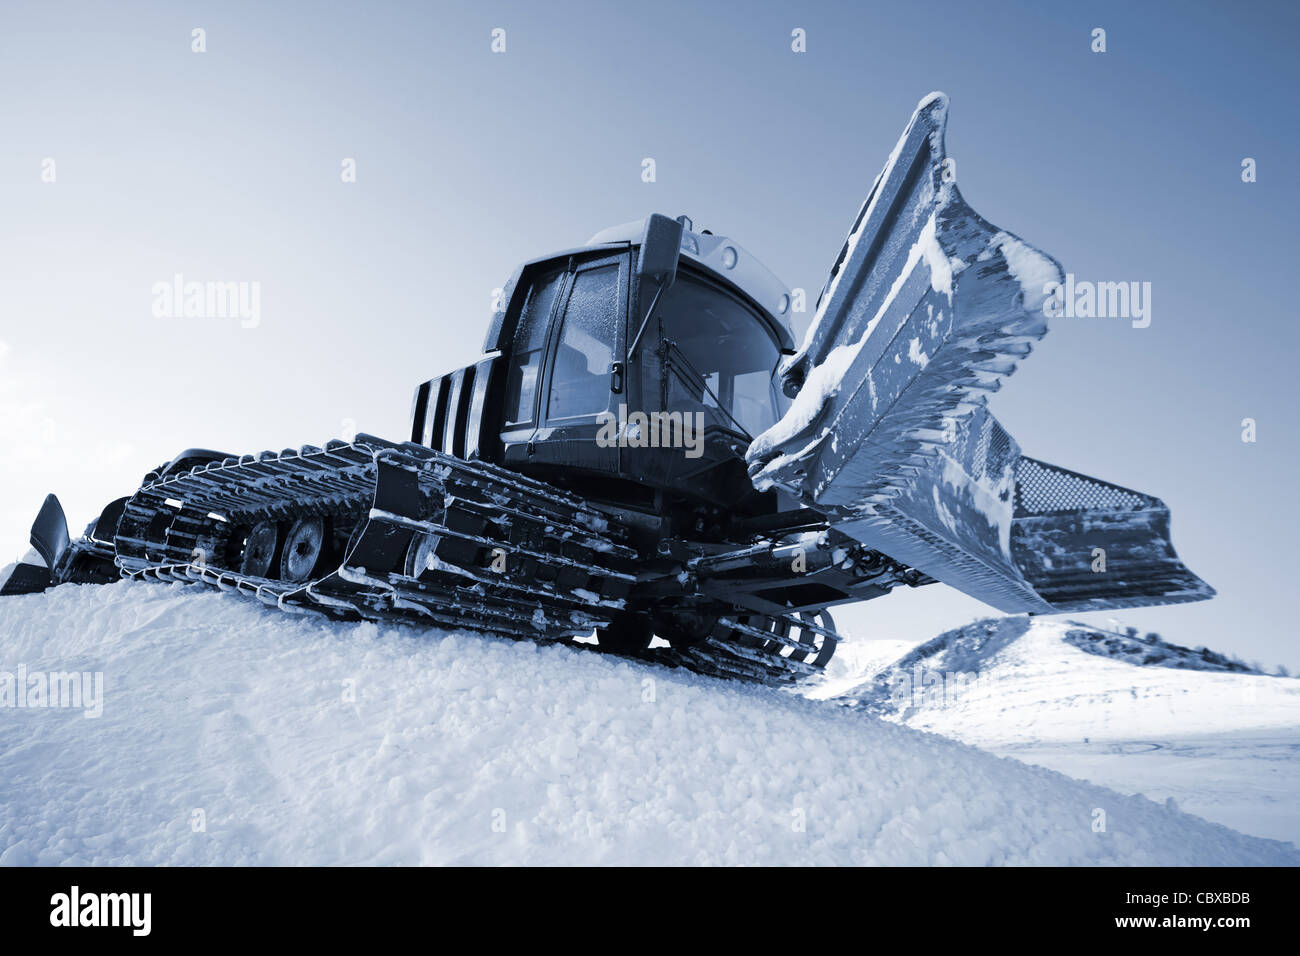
(855,661)
(231,733)
(1136,715)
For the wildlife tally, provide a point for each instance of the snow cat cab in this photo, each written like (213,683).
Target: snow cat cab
(634,371)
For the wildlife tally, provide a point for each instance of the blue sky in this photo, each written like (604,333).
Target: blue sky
(225,165)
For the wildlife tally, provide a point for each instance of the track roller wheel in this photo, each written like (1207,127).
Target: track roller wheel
(302,549)
(260,549)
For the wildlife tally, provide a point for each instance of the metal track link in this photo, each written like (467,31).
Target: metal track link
(433,539)
(520,558)
(761,649)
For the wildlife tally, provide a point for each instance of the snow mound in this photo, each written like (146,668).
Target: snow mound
(1137,715)
(1004,677)
(235,734)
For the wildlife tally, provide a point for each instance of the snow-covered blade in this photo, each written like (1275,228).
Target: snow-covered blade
(928,308)
(1085,545)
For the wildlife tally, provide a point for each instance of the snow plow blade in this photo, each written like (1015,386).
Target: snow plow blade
(927,309)
(49,539)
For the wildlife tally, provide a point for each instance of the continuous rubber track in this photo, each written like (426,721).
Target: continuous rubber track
(418,534)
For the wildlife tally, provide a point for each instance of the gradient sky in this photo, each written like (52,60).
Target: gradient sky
(225,166)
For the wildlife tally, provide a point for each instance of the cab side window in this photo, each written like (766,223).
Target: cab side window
(585,353)
(530,349)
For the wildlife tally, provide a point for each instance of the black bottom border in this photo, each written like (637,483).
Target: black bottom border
(332,906)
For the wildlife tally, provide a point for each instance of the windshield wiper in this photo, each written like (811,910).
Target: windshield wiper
(674,347)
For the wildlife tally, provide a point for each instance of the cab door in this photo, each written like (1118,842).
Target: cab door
(576,379)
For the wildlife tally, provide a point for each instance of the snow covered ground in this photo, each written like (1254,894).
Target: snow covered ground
(234,734)
(1222,745)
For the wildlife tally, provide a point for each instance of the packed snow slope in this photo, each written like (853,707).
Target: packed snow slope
(236,734)
(1131,713)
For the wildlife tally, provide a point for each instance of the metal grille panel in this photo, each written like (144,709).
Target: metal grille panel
(1043,489)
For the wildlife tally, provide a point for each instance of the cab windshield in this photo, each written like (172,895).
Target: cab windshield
(720,357)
